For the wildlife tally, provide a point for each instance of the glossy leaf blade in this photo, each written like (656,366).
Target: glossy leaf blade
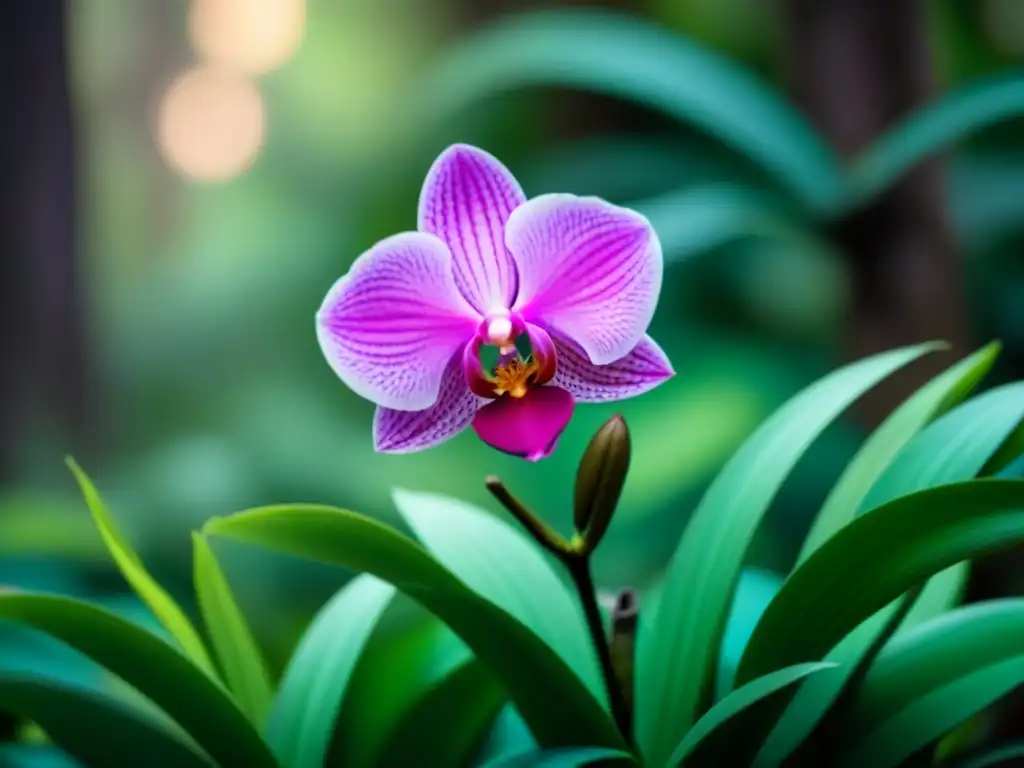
(306,708)
(679,642)
(933,128)
(551,698)
(166,610)
(885,443)
(572,757)
(449,722)
(619,56)
(95,728)
(497,561)
(245,670)
(393,673)
(187,694)
(954,448)
(877,558)
(729,713)
(930,678)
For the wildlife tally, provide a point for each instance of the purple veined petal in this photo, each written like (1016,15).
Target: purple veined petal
(466,200)
(587,269)
(391,325)
(528,426)
(410,431)
(644,368)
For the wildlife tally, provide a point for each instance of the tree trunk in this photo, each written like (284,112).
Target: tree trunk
(857,66)
(41,341)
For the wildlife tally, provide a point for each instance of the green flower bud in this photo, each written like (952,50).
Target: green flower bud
(599,481)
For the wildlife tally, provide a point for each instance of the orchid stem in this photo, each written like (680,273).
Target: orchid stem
(541,531)
(579,570)
(577,562)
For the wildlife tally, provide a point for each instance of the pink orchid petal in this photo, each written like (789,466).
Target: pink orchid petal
(466,200)
(528,426)
(640,371)
(544,352)
(409,431)
(391,325)
(587,269)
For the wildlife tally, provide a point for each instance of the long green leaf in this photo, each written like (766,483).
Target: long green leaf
(1009,754)
(240,657)
(729,714)
(931,678)
(152,594)
(572,757)
(393,673)
(931,129)
(302,720)
(622,57)
(697,219)
(95,728)
(953,448)
(879,450)
(449,722)
(551,698)
(679,642)
(193,699)
(874,560)
(498,562)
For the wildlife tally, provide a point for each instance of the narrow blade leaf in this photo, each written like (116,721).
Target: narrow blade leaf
(551,698)
(450,721)
(625,58)
(737,705)
(952,449)
(934,398)
(240,657)
(931,129)
(95,728)
(167,612)
(572,757)
(678,650)
(192,699)
(930,678)
(877,558)
(500,563)
(302,720)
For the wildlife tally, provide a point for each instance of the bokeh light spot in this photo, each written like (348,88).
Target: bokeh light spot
(211,123)
(254,36)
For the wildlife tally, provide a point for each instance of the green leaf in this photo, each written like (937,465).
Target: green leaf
(96,728)
(304,713)
(449,722)
(679,642)
(1004,755)
(875,559)
(697,219)
(551,698)
(932,678)
(622,57)
(572,757)
(726,719)
(153,595)
(392,674)
(879,450)
(188,695)
(952,449)
(498,562)
(931,129)
(244,668)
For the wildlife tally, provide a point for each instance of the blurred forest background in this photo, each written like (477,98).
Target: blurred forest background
(183,181)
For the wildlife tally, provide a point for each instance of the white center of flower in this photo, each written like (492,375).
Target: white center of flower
(498,331)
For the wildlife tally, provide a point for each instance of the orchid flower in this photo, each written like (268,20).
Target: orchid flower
(577,277)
